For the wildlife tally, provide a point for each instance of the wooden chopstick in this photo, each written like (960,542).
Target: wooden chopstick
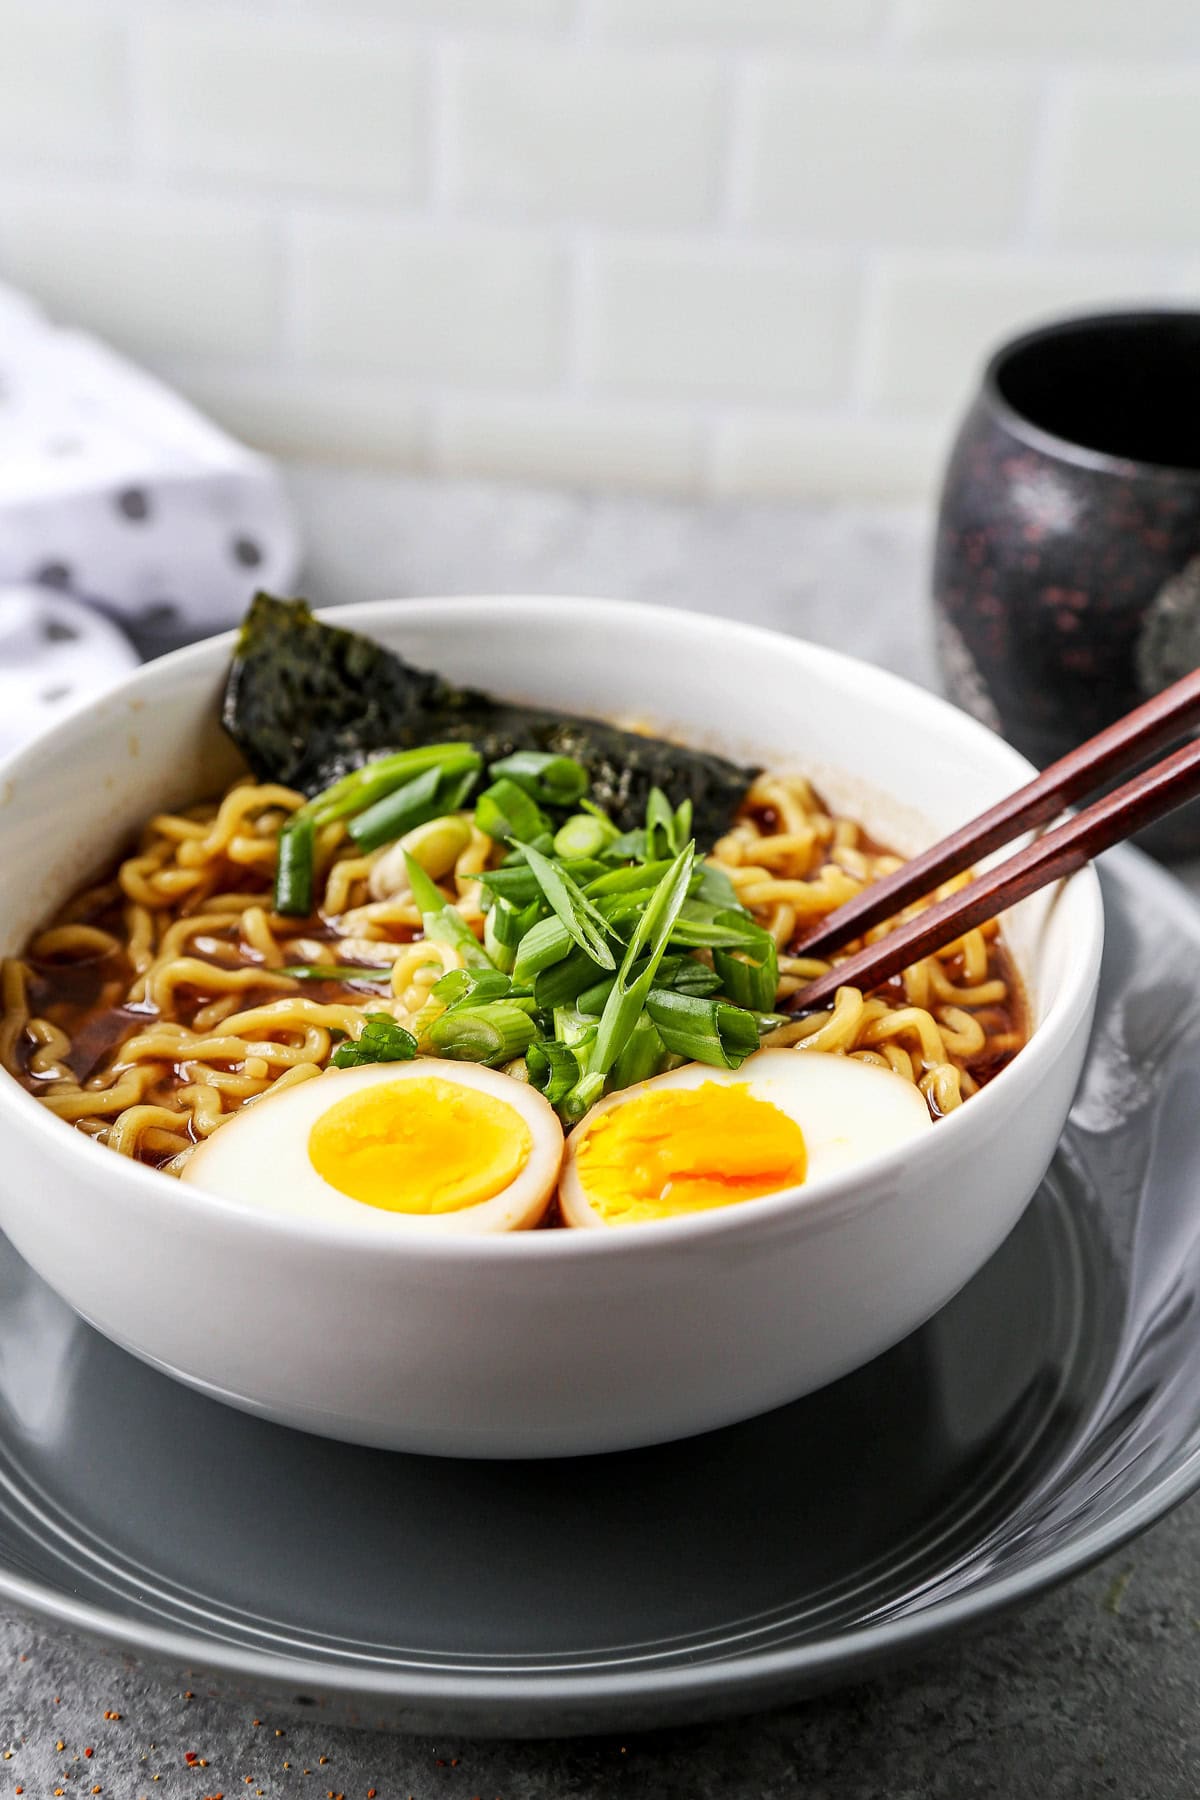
(1060,852)
(1113,751)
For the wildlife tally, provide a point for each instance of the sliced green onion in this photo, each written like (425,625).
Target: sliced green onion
(553,1068)
(628,881)
(681,973)
(502,932)
(683,821)
(336,972)
(582,836)
(628,846)
(581,918)
(495,1033)
(571,1026)
(450,928)
(544,943)
(704,927)
(506,811)
(544,841)
(707,1031)
(660,825)
(467,986)
(294,867)
(716,889)
(691,977)
(362,787)
(594,998)
(749,975)
(562,982)
(621,1010)
(517,882)
(381,1040)
(456,785)
(427,797)
(642,1057)
(550,780)
(410,804)
(440,921)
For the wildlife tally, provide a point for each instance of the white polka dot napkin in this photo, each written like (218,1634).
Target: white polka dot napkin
(54,652)
(119,506)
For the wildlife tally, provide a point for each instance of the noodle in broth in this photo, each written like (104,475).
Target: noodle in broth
(156,1005)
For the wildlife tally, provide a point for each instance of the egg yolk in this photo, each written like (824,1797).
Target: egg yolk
(420,1146)
(688,1149)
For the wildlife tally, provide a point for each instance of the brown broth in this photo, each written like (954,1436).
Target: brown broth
(84,996)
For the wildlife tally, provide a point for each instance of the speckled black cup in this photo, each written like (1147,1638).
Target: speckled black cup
(1067,568)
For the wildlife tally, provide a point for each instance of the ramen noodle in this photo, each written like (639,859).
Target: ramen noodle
(159,1002)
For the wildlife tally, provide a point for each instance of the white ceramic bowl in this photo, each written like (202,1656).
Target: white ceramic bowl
(543,1343)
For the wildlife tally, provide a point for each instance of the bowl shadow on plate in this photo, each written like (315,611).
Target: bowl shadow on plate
(1057,1387)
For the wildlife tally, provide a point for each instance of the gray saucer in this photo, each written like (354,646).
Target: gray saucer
(1047,1413)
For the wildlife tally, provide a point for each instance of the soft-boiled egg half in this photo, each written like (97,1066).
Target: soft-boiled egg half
(700,1138)
(427,1145)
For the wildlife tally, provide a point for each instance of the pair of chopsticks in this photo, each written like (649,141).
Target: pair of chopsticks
(1136,803)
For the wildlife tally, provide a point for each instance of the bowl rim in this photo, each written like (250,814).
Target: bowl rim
(810,1207)
(1064,449)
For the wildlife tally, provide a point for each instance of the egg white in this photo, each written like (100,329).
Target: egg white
(847,1110)
(261,1156)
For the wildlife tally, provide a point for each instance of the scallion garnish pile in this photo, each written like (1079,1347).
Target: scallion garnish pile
(607,956)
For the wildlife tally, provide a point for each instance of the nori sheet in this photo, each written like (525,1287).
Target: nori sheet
(306,702)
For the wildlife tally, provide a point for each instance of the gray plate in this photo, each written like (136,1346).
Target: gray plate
(1050,1411)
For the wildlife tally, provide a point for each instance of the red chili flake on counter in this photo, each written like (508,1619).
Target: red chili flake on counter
(370,1794)
(97,1789)
(89,1751)
(190,1756)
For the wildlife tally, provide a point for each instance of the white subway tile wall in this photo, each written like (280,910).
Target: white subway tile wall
(283,101)
(752,324)
(1131,162)
(610,136)
(889,156)
(548,441)
(454,303)
(934,312)
(62,86)
(160,274)
(723,247)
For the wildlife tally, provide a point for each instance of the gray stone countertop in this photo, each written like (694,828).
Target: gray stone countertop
(1094,1690)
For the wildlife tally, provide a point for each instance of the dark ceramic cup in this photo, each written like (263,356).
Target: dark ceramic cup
(1067,566)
